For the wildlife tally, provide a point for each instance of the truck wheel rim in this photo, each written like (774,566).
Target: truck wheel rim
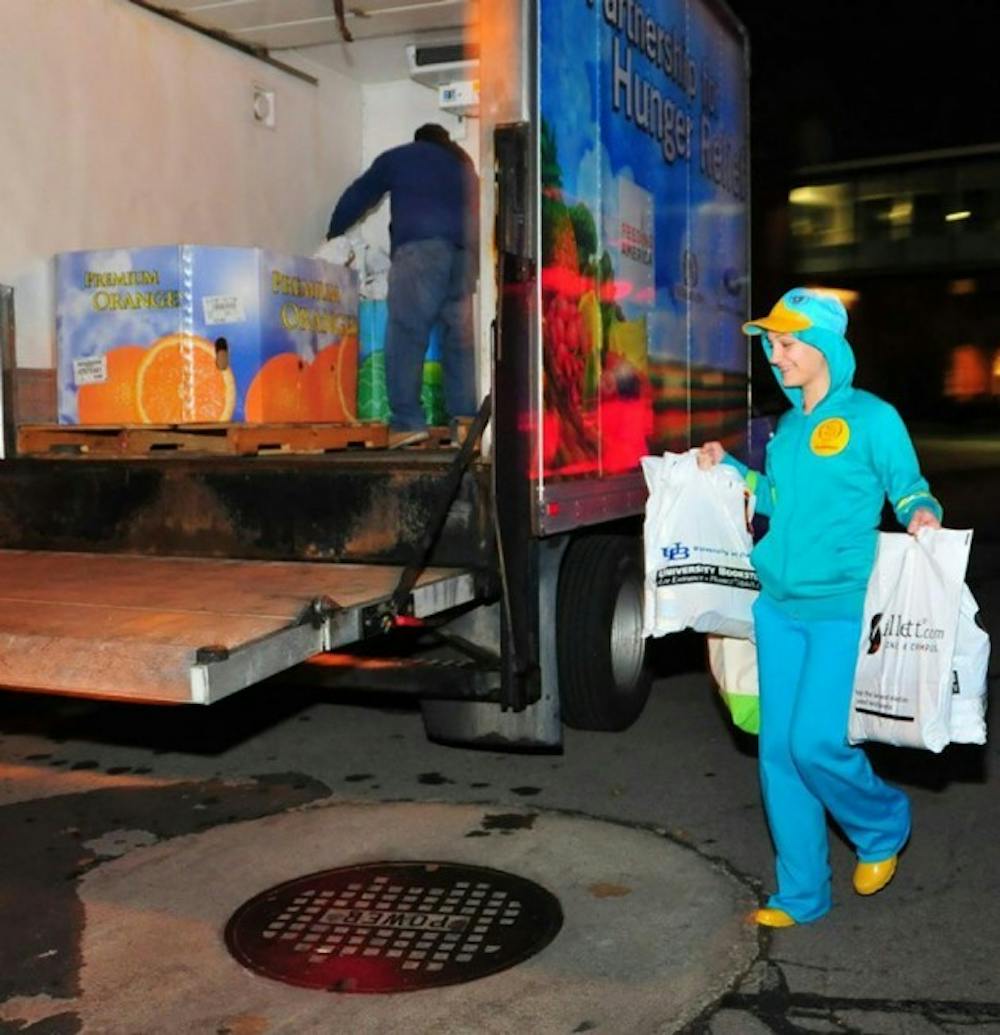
(628,646)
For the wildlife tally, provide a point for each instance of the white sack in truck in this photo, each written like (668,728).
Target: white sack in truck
(697,543)
(367,260)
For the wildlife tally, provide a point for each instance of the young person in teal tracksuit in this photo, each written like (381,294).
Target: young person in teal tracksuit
(835,456)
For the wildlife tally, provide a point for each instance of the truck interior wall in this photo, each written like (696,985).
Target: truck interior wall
(123,128)
(391,111)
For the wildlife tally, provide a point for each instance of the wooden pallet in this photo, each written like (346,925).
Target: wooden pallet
(147,440)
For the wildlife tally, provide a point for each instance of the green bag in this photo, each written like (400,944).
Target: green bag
(733,664)
(373,399)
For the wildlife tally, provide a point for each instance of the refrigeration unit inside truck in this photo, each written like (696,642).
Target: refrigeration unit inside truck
(500,582)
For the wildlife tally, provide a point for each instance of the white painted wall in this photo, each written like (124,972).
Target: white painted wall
(122,129)
(390,114)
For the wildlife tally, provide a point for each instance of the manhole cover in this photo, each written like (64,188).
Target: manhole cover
(393,927)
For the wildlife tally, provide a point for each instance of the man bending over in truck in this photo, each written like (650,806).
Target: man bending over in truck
(433,195)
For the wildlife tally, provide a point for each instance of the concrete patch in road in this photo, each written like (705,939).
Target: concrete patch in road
(646,961)
(119,842)
(50,843)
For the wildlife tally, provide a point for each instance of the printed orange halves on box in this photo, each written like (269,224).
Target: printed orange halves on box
(186,334)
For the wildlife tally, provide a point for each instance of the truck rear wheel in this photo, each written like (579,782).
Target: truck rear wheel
(604,676)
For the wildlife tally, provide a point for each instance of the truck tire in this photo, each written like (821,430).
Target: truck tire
(604,676)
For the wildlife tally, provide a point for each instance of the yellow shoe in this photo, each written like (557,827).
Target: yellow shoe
(872,877)
(772,918)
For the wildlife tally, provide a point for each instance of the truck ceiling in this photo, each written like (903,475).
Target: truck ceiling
(276,25)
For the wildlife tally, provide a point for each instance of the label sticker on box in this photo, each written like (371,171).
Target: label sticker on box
(223,309)
(90,370)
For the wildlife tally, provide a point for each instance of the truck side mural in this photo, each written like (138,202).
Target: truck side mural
(644,191)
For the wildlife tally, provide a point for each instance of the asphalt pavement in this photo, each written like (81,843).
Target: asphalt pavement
(652,933)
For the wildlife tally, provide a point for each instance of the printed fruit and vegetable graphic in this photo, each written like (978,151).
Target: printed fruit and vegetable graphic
(180,380)
(567,326)
(114,401)
(432,393)
(276,393)
(597,397)
(626,364)
(330,382)
(186,379)
(593,331)
(626,396)
(373,394)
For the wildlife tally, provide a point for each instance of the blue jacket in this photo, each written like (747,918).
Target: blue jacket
(433,191)
(826,476)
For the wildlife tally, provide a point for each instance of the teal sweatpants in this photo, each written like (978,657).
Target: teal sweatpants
(807,768)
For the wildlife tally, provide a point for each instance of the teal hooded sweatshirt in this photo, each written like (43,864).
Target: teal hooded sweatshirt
(826,476)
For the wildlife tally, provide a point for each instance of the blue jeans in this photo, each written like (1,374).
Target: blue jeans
(807,768)
(429,281)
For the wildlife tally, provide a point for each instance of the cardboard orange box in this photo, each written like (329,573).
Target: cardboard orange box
(193,334)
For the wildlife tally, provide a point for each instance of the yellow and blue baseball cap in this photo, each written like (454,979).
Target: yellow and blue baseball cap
(802,309)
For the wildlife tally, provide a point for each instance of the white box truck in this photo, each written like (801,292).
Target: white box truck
(501,583)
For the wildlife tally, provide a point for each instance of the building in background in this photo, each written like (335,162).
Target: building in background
(913,242)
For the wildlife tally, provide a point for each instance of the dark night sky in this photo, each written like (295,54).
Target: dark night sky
(833,81)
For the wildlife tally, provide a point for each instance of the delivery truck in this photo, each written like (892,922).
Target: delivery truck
(500,582)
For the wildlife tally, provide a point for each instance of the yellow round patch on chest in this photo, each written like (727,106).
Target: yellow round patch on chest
(830,437)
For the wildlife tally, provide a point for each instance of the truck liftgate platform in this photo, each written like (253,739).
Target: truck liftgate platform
(188,630)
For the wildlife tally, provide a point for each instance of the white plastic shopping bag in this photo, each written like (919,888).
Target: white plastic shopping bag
(733,664)
(903,679)
(969,669)
(697,548)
